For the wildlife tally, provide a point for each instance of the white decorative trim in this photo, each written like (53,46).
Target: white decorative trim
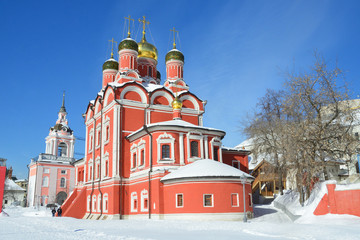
(105,203)
(212,200)
(144,196)
(133,150)
(134,208)
(141,146)
(163,94)
(176,200)
(106,98)
(94,203)
(237,200)
(216,142)
(164,139)
(134,89)
(181,148)
(194,135)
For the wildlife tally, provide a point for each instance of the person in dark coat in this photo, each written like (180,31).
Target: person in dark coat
(53,211)
(59,211)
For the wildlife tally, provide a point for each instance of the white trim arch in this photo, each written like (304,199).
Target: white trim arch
(107,94)
(134,89)
(195,135)
(191,99)
(161,93)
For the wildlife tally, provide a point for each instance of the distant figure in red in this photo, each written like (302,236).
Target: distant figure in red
(59,211)
(53,211)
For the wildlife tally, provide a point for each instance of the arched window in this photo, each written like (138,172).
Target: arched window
(62,149)
(62,182)
(107,133)
(105,202)
(165,151)
(94,203)
(194,145)
(106,168)
(99,202)
(134,202)
(45,182)
(144,200)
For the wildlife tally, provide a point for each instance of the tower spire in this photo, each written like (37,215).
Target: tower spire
(62,109)
(130,19)
(144,22)
(173,30)
(112,47)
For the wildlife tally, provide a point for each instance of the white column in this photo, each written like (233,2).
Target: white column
(206,147)
(181,148)
(202,147)
(115,154)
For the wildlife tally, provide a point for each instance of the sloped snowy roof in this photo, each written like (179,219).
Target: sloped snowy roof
(206,168)
(176,123)
(11,185)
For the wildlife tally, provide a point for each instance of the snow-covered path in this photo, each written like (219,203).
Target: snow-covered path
(269,223)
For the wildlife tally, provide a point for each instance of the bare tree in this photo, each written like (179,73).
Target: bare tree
(305,125)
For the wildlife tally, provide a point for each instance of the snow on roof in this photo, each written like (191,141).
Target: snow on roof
(247,144)
(92,102)
(150,87)
(206,168)
(180,123)
(11,185)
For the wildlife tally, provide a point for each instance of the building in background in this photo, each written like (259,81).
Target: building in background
(51,174)
(148,154)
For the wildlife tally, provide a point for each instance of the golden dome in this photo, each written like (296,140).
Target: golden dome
(146,49)
(176,104)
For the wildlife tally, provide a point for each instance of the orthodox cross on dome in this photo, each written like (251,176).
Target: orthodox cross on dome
(130,19)
(173,30)
(144,22)
(112,47)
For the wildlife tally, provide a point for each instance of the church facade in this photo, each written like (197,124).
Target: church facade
(148,154)
(52,174)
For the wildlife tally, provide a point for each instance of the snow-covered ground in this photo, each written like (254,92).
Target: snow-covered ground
(269,223)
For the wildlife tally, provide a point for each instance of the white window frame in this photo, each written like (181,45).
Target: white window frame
(46,170)
(237,200)
(98,136)
(93,203)
(216,142)
(236,161)
(99,203)
(91,170)
(141,146)
(133,150)
(197,136)
(134,207)
(91,140)
(64,182)
(166,139)
(63,172)
(105,203)
(106,124)
(98,169)
(176,200)
(144,195)
(212,200)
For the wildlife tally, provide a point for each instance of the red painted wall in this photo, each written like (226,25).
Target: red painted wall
(339,202)
(2,185)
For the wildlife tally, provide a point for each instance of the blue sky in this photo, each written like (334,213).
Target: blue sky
(234,51)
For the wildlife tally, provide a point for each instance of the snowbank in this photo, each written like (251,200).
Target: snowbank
(289,202)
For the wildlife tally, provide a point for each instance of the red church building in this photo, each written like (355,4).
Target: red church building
(148,154)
